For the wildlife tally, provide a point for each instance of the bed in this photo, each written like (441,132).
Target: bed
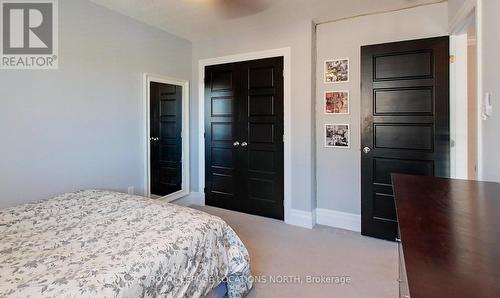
(104,244)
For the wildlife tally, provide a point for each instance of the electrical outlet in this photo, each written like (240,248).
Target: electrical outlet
(130,190)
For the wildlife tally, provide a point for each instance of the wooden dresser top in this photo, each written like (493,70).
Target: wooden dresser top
(450,233)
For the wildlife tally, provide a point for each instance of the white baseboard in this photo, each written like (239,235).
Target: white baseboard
(193,198)
(302,219)
(173,197)
(299,218)
(337,219)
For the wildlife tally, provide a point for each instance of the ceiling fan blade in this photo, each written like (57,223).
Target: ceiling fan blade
(241,8)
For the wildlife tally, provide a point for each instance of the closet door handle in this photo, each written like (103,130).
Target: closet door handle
(244,144)
(236,144)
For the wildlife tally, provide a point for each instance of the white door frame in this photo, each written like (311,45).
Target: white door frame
(282,52)
(148,78)
(459,115)
(456,25)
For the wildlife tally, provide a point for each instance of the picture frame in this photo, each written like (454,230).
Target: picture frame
(337,136)
(337,71)
(337,102)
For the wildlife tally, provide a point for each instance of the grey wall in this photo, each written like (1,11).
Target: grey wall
(293,29)
(491,84)
(82,126)
(339,170)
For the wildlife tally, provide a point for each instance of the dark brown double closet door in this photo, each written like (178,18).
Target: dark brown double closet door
(244,137)
(405,123)
(165,138)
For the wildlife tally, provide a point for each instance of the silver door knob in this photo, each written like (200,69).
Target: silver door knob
(244,144)
(367,150)
(236,144)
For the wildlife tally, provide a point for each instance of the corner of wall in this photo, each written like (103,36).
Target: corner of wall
(314,56)
(303,219)
(325,217)
(337,219)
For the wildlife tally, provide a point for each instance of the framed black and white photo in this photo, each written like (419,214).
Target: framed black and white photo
(337,136)
(337,102)
(337,71)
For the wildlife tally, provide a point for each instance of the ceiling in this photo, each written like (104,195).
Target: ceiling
(202,19)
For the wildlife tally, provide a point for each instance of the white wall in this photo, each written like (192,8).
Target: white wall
(339,170)
(454,8)
(491,83)
(82,126)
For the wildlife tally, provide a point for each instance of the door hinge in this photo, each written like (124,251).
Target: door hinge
(452,59)
(204,135)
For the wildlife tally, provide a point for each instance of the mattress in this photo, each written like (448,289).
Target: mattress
(104,244)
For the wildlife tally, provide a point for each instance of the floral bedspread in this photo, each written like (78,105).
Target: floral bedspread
(104,244)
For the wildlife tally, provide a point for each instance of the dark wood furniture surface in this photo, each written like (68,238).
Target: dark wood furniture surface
(450,236)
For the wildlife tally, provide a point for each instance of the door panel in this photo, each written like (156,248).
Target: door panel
(403,101)
(406,65)
(221,131)
(384,167)
(261,105)
(166,142)
(400,136)
(245,105)
(263,115)
(261,133)
(405,124)
(222,106)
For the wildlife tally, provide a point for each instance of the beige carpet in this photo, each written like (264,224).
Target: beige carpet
(277,249)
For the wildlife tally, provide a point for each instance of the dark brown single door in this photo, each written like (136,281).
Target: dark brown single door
(166,138)
(244,137)
(222,158)
(405,123)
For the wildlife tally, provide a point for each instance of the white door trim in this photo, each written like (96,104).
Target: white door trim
(282,52)
(148,78)
(455,26)
(480,88)
(459,115)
